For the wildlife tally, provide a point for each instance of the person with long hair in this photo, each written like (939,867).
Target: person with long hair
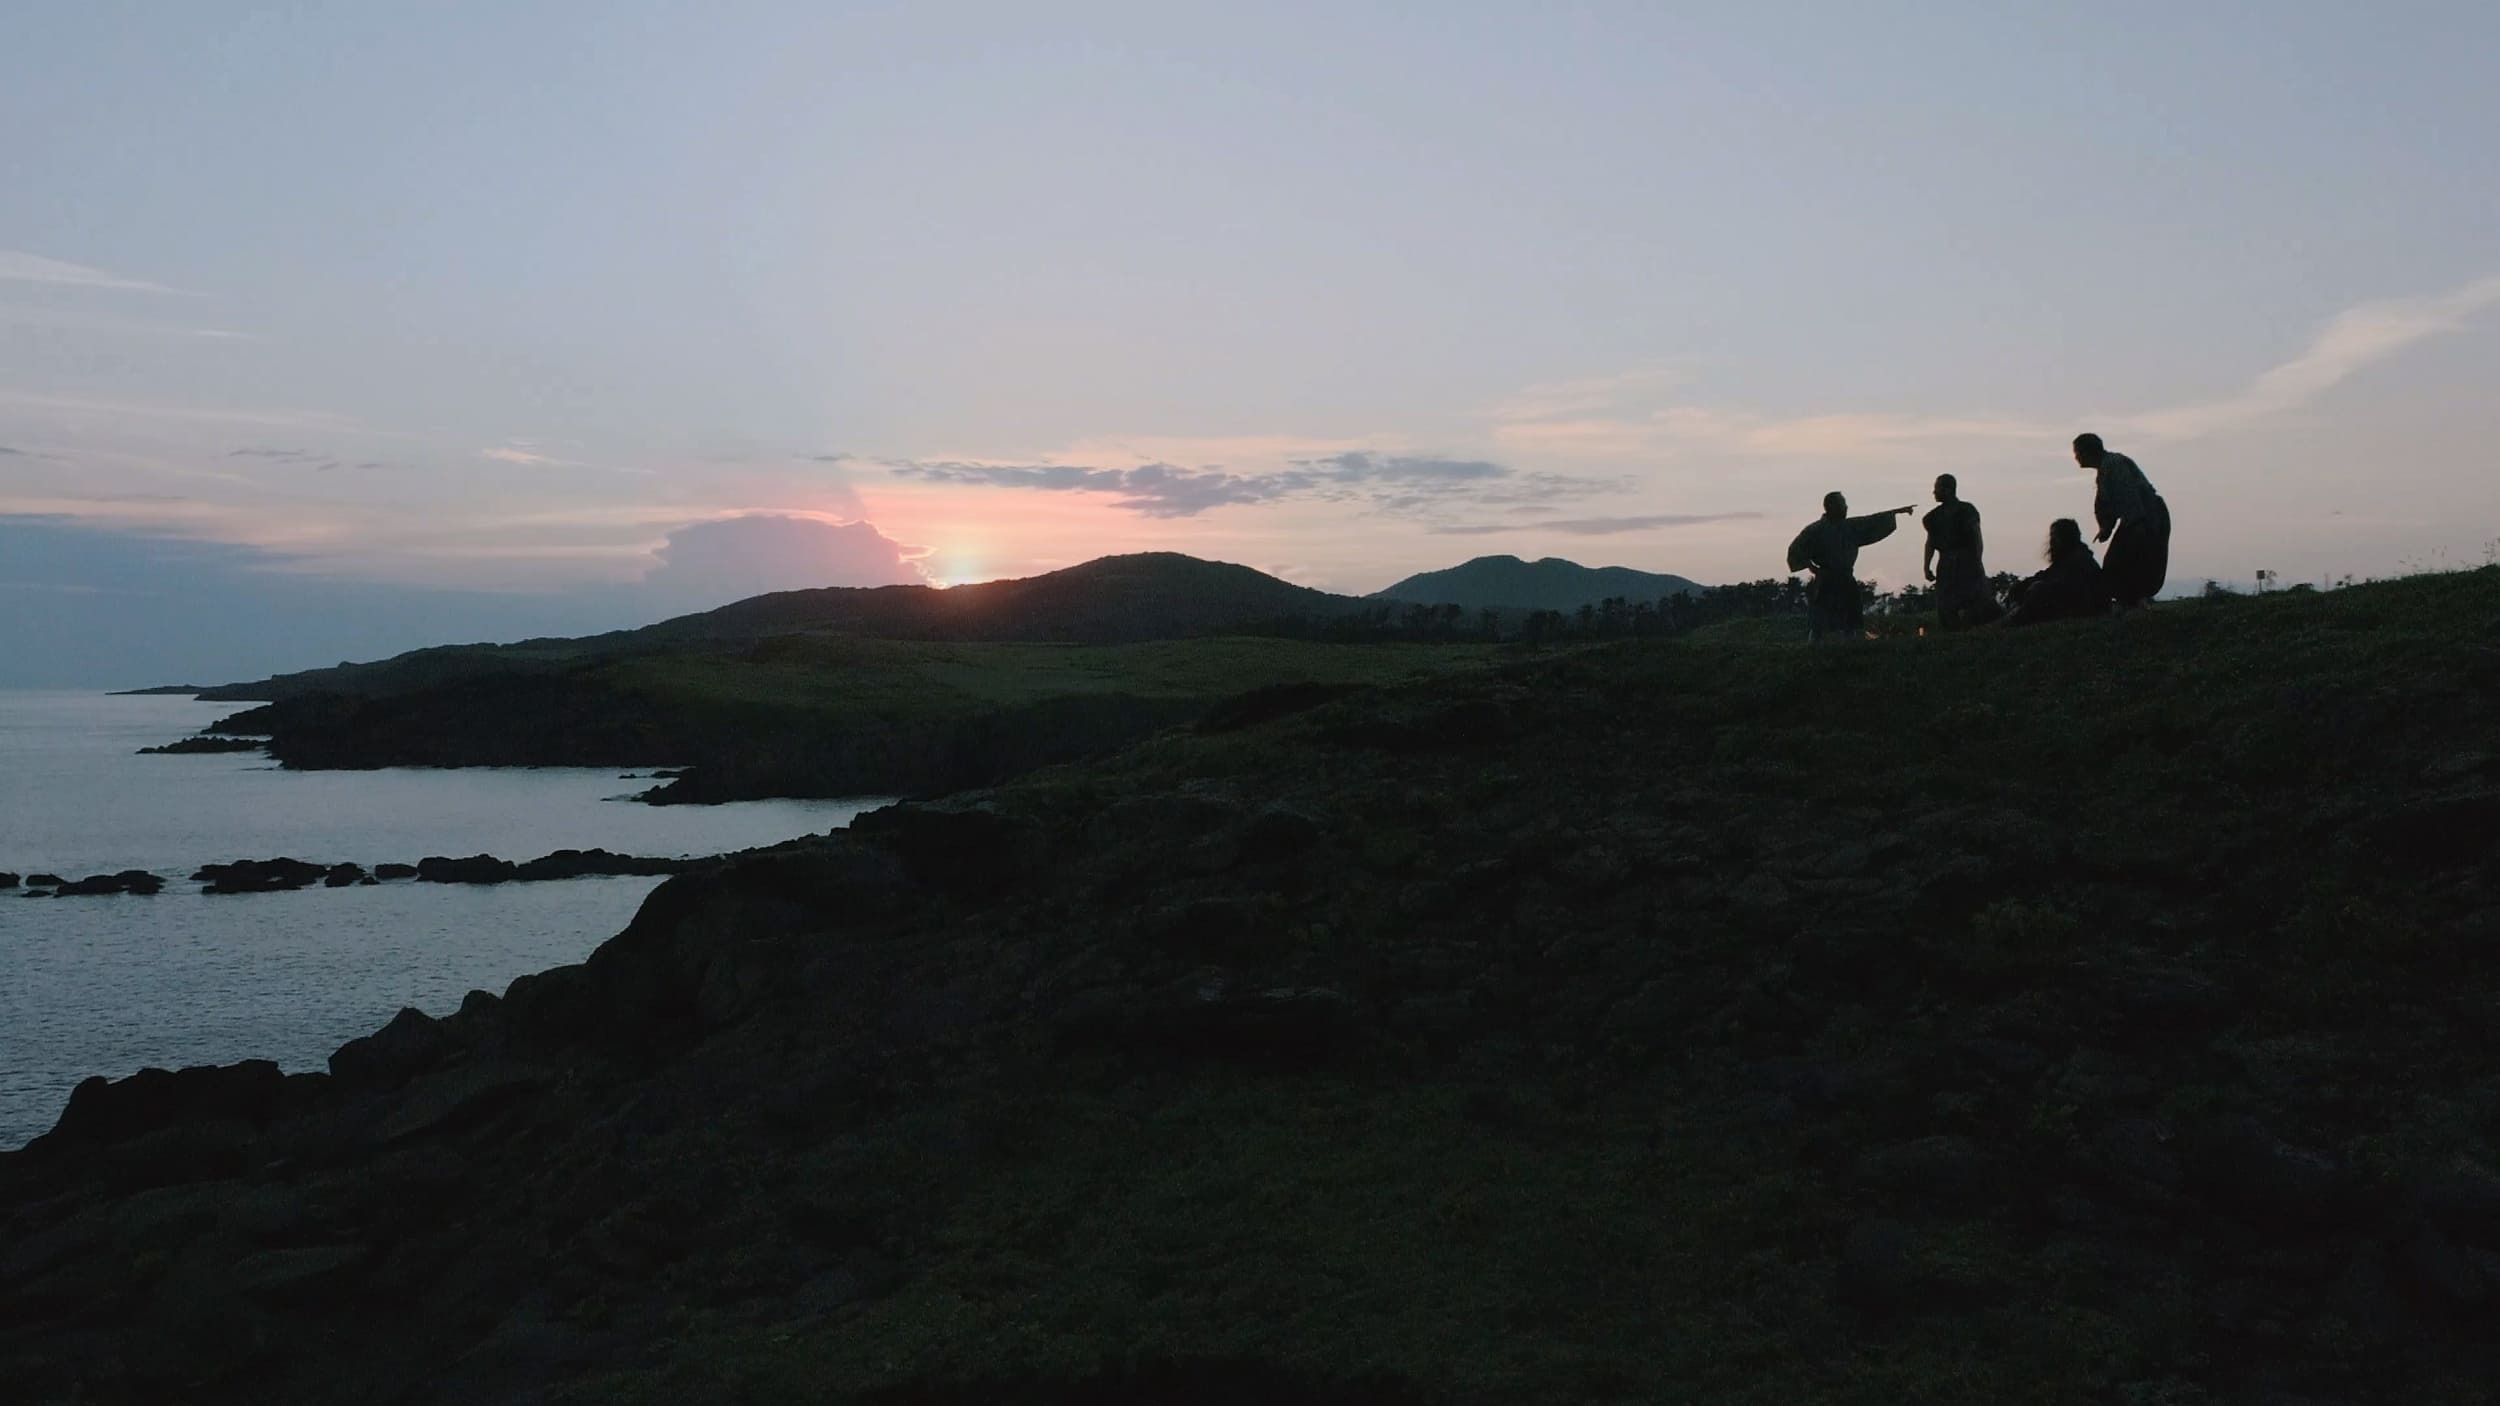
(2133,520)
(2071,587)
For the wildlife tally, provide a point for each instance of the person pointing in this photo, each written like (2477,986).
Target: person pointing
(1828,547)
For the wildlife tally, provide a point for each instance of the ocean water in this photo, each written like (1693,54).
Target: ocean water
(110,985)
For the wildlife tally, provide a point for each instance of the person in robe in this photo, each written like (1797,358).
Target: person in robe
(1835,607)
(2134,521)
(2073,587)
(1963,595)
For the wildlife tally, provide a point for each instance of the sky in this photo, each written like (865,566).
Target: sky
(332,329)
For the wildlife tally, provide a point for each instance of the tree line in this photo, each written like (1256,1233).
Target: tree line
(1616,617)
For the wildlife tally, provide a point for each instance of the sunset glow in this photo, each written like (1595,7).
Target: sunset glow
(1344,343)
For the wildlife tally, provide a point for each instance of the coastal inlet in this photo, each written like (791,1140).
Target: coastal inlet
(113,984)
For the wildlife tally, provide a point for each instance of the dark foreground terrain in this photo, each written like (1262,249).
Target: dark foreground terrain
(2102,1013)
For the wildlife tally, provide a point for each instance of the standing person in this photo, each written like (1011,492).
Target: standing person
(1963,596)
(2134,521)
(2072,588)
(1828,547)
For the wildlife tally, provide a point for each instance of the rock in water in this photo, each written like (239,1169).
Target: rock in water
(476,869)
(138,881)
(586,863)
(190,745)
(260,875)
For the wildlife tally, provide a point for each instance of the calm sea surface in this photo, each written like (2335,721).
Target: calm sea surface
(111,985)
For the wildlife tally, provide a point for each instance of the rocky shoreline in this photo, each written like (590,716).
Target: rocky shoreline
(709,756)
(191,746)
(285,873)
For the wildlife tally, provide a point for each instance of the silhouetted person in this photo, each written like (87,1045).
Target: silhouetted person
(2134,521)
(1963,595)
(2073,586)
(1829,548)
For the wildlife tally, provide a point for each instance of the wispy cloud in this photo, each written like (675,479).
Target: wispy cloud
(67,588)
(1387,482)
(1364,466)
(1155,490)
(17,266)
(1634,432)
(1629,415)
(523,453)
(505,454)
(1212,451)
(153,410)
(72,320)
(308,459)
(165,513)
(2352,340)
(1595,526)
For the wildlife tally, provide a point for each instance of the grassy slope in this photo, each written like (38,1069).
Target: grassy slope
(823,715)
(1704,878)
(836,680)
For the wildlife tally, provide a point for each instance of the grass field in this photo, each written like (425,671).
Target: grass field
(839,677)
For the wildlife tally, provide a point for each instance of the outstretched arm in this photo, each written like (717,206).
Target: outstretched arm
(1875,527)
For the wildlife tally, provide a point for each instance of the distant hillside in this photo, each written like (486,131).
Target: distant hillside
(827,715)
(1550,584)
(1112,600)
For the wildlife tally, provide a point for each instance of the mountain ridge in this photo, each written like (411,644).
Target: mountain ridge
(1129,598)
(1505,582)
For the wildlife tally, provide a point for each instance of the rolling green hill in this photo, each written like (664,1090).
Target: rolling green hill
(1111,600)
(879,691)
